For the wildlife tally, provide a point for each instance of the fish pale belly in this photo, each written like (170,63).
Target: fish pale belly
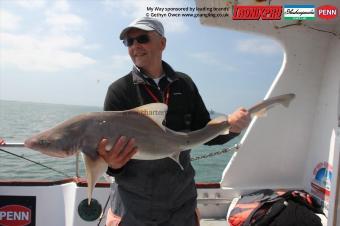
(156,147)
(141,155)
(152,141)
(163,153)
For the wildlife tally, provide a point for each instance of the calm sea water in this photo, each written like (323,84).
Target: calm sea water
(19,120)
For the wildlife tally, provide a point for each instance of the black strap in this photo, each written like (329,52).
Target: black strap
(139,95)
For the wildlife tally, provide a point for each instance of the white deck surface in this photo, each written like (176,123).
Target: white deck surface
(214,222)
(223,222)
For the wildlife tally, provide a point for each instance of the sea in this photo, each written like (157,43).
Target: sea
(19,120)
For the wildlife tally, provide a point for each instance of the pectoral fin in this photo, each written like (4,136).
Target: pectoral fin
(94,170)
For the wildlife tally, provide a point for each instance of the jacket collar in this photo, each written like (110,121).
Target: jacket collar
(138,77)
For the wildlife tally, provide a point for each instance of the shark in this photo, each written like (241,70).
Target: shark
(82,133)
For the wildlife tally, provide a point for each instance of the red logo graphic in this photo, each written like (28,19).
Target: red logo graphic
(327,12)
(242,12)
(15,215)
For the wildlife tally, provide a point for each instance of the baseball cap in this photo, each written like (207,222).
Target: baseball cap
(146,24)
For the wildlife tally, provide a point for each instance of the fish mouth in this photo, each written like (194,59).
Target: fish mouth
(32,143)
(29,143)
(56,153)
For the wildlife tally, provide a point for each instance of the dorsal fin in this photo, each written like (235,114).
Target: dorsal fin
(155,111)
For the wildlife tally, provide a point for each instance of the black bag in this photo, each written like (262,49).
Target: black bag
(276,208)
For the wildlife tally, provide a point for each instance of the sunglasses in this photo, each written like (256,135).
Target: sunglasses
(141,39)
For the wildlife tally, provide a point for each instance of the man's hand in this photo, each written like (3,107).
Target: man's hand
(121,152)
(239,120)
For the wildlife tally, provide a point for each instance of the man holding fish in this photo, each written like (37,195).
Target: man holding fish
(156,192)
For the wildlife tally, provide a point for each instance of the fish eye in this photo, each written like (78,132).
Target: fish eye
(44,142)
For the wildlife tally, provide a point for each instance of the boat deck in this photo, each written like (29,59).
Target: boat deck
(214,222)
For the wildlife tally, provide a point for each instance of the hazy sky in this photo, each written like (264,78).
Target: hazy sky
(69,52)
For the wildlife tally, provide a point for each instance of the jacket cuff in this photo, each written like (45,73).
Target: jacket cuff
(233,135)
(114,172)
(222,139)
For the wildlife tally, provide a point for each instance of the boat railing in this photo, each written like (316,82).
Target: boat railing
(22,145)
(77,158)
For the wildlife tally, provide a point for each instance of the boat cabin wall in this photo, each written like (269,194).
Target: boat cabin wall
(322,168)
(276,147)
(289,147)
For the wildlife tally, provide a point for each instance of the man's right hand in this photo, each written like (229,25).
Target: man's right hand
(121,152)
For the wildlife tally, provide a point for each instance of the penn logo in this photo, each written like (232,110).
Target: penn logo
(327,12)
(15,215)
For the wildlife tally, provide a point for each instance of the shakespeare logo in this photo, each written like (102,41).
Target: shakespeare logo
(299,12)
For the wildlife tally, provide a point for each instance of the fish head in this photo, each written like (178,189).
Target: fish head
(60,141)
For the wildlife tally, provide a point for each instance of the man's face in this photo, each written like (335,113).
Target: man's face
(147,54)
